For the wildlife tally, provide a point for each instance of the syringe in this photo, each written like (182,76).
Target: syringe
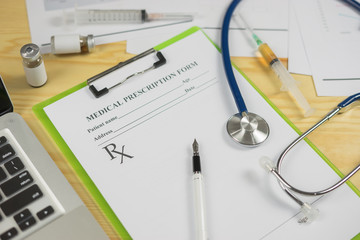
(121,16)
(75,43)
(288,82)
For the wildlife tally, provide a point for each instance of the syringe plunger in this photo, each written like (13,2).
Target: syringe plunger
(119,16)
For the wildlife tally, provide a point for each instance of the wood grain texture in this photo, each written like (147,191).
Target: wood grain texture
(338,140)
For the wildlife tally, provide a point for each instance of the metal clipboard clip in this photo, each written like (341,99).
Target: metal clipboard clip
(98,93)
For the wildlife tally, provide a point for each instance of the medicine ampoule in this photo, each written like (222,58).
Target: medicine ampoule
(33,65)
(72,43)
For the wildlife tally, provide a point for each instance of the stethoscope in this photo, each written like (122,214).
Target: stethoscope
(244,127)
(309,212)
(250,129)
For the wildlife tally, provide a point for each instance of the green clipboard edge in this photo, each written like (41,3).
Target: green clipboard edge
(357,237)
(104,206)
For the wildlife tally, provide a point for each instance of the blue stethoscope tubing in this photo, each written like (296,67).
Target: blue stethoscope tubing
(246,128)
(349,100)
(240,103)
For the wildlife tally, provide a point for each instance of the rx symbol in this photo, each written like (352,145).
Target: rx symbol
(113,153)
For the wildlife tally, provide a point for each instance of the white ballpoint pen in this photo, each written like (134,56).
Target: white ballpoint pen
(199,196)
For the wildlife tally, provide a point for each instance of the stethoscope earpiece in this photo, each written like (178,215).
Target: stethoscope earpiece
(309,212)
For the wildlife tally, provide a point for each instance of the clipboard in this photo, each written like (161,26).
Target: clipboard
(44,119)
(94,191)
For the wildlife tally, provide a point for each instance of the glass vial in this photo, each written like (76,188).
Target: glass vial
(33,65)
(72,43)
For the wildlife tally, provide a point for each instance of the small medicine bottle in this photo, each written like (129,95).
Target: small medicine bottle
(33,65)
(72,43)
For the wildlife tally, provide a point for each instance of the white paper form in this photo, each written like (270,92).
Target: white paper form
(135,144)
(331,36)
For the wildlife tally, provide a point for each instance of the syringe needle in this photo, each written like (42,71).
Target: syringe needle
(289,83)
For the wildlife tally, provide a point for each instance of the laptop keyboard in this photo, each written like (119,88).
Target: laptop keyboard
(26,202)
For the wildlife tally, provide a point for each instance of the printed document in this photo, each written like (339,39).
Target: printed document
(135,143)
(330,35)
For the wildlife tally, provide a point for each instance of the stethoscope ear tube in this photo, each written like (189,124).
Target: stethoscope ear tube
(240,103)
(349,100)
(267,164)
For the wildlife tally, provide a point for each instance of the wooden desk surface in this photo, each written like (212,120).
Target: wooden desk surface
(338,140)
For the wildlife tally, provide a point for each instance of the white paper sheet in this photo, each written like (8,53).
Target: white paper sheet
(298,60)
(331,36)
(240,44)
(257,14)
(153,119)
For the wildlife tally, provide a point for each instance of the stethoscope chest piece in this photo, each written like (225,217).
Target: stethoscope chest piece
(248,129)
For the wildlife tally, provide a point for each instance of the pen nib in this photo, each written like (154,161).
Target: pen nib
(195,147)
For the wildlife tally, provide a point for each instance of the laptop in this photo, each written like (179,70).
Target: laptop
(36,201)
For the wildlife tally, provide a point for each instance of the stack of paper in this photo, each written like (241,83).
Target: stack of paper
(320,38)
